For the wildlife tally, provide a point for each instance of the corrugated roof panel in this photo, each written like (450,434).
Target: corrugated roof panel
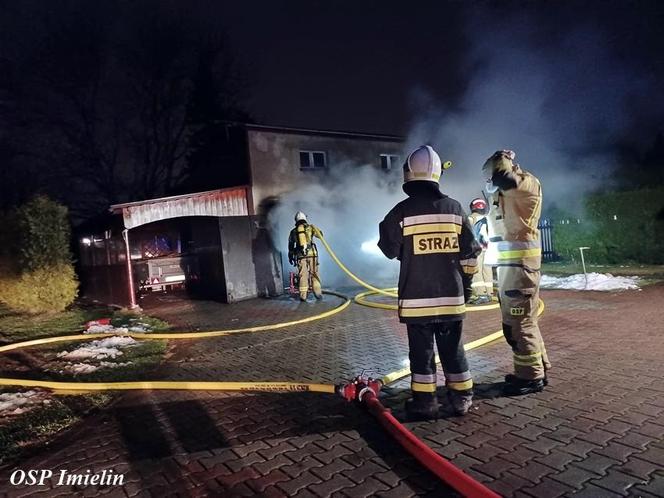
(216,203)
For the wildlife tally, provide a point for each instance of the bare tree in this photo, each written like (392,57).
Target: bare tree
(99,96)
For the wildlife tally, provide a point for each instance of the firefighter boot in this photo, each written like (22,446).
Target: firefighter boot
(422,406)
(519,387)
(511,379)
(460,401)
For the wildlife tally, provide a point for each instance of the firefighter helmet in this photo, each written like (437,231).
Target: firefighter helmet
(478,206)
(502,161)
(300,216)
(424,164)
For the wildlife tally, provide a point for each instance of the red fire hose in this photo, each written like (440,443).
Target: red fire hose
(365,392)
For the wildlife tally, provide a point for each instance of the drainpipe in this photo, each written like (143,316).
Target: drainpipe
(130,276)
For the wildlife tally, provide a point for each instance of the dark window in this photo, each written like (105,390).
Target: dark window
(389,161)
(305,161)
(319,159)
(312,159)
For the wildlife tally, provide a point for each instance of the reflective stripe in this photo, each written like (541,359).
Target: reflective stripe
(523,253)
(468,262)
(527,356)
(432,311)
(431,301)
(432,218)
(423,388)
(516,249)
(412,174)
(457,377)
(428,378)
(536,363)
(509,245)
(460,386)
(432,228)
(528,360)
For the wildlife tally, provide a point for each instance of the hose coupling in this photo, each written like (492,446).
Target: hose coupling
(356,389)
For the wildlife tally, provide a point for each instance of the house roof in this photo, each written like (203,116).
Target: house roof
(330,133)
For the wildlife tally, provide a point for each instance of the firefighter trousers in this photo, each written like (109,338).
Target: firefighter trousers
(447,336)
(483,279)
(519,302)
(308,267)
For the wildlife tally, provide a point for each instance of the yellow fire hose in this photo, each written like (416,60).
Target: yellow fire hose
(226,386)
(391,292)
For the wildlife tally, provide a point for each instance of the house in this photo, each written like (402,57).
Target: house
(214,241)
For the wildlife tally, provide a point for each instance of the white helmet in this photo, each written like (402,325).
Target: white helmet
(300,216)
(424,164)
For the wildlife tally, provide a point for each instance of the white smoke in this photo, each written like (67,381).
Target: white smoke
(347,203)
(559,105)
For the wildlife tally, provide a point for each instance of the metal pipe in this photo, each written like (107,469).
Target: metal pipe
(130,276)
(583,263)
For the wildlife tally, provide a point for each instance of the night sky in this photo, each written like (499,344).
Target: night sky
(362,65)
(108,101)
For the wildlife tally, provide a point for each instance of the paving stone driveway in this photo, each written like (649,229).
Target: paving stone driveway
(597,430)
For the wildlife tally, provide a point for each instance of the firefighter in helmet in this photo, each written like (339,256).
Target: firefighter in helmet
(483,279)
(518,198)
(429,233)
(302,252)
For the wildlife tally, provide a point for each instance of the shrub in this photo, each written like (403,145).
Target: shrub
(42,290)
(36,271)
(42,233)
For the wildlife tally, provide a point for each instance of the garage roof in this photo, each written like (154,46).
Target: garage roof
(221,202)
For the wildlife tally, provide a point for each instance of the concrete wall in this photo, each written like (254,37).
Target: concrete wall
(274,158)
(252,267)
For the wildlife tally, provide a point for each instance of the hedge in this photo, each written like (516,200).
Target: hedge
(36,271)
(619,227)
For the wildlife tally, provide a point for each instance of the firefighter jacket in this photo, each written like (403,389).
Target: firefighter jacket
(300,241)
(519,208)
(478,223)
(429,233)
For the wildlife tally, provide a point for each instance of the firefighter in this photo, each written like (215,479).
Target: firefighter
(429,233)
(518,198)
(483,279)
(302,252)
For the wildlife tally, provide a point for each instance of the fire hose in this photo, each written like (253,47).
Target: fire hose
(360,390)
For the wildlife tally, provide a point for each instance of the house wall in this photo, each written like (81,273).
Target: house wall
(274,159)
(252,267)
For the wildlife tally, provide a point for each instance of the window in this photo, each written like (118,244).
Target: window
(312,159)
(389,161)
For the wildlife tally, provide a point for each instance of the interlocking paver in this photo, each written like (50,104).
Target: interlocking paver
(548,488)
(591,432)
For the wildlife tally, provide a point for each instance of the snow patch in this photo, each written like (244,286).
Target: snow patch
(17,403)
(105,329)
(596,282)
(85,368)
(99,350)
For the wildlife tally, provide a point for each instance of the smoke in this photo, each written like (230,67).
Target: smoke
(347,203)
(560,101)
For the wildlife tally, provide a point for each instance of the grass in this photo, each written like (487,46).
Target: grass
(16,327)
(143,357)
(41,423)
(649,273)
